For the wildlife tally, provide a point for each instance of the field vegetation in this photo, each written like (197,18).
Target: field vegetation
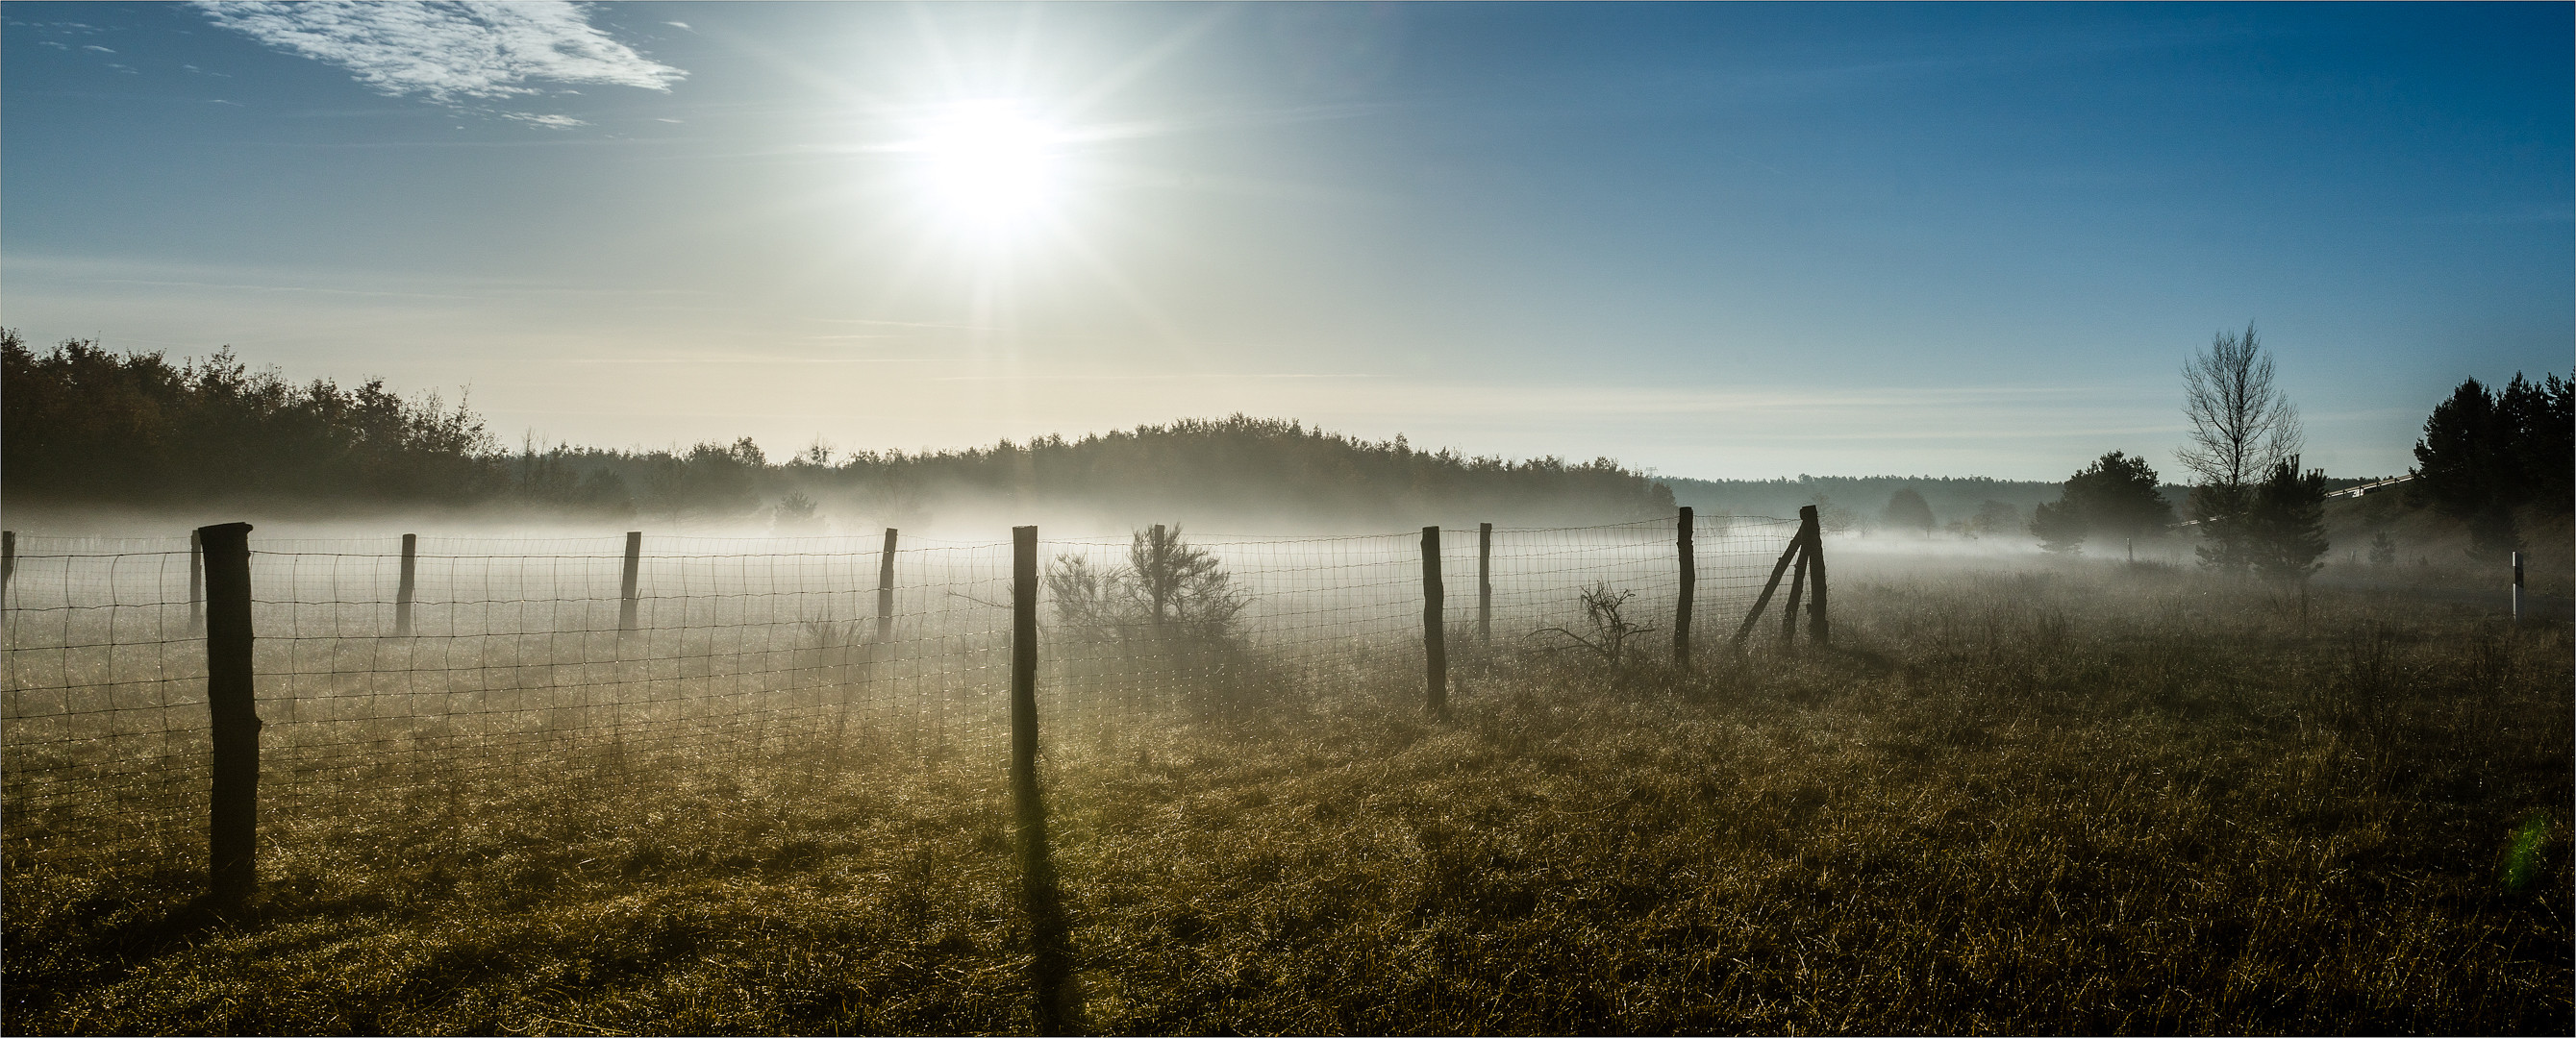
(2073,796)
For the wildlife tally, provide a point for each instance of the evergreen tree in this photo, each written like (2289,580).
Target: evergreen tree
(2060,527)
(2285,524)
(2117,496)
(2485,453)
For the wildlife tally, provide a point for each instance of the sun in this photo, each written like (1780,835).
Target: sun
(989,167)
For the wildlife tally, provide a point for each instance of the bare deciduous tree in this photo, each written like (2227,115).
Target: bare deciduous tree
(2241,425)
(2242,428)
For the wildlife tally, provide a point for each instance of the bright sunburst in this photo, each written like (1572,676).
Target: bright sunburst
(989,167)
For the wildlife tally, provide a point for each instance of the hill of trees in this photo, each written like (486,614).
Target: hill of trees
(84,425)
(1963,504)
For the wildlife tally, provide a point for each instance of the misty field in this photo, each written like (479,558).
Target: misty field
(2057,798)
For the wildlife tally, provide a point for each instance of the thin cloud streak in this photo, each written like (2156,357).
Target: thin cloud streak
(446,51)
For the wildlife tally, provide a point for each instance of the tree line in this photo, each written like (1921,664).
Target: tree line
(88,425)
(2499,460)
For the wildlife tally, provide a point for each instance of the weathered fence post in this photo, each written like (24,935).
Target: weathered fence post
(626,586)
(1051,962)
(232,836)
(1024,684)
(2517,587)
(1435,645)
(885,588)
(1689,586)
(1797,588)
(1807,539)
(1820,627)
(196,582)
(1485,584)
(403,587)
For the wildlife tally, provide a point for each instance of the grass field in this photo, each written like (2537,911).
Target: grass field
(2083,799)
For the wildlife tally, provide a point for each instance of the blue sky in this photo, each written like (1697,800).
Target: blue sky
(1718,241)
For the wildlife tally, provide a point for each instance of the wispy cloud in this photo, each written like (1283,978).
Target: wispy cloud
(447,51)
(559,122)
(96,47)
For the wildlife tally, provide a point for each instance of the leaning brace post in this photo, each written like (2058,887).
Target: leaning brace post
(403,588)
(1485,584)
(196,583)
(626,586)
(1797,544)
(1820,628)
(1435,646)
(1051,962)
(885,589)
(1689,586)
(232,837)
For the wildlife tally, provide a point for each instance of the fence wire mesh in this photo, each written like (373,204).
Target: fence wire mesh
(518,662)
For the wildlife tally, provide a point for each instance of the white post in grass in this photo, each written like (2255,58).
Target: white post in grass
(2517,587)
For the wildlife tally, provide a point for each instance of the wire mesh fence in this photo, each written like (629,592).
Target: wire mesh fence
(520,660)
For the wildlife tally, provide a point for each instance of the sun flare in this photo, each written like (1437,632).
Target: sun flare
(989,166)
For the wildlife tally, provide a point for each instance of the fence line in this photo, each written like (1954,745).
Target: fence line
(391,672)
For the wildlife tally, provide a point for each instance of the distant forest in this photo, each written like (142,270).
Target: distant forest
(83,425)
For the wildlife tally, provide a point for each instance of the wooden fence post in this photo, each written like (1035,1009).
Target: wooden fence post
(403,587)
(1435,645)
(1052,961)
(196,582)
(1024,681)
(626,587)
(232,836)
(1485,584)
(1797,587)
(1797,546)
(885,589)
(1820,628)
(1689,587)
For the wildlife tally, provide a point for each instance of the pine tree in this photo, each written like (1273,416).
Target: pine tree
(2486,453)
(2060,527)
(2117,496)
(2285,525)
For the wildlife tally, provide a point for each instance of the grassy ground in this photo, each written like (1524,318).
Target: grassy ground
(2085,800)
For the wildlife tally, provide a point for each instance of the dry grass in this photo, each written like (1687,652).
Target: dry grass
(2090,800)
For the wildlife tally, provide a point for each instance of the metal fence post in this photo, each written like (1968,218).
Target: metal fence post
(232,836)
